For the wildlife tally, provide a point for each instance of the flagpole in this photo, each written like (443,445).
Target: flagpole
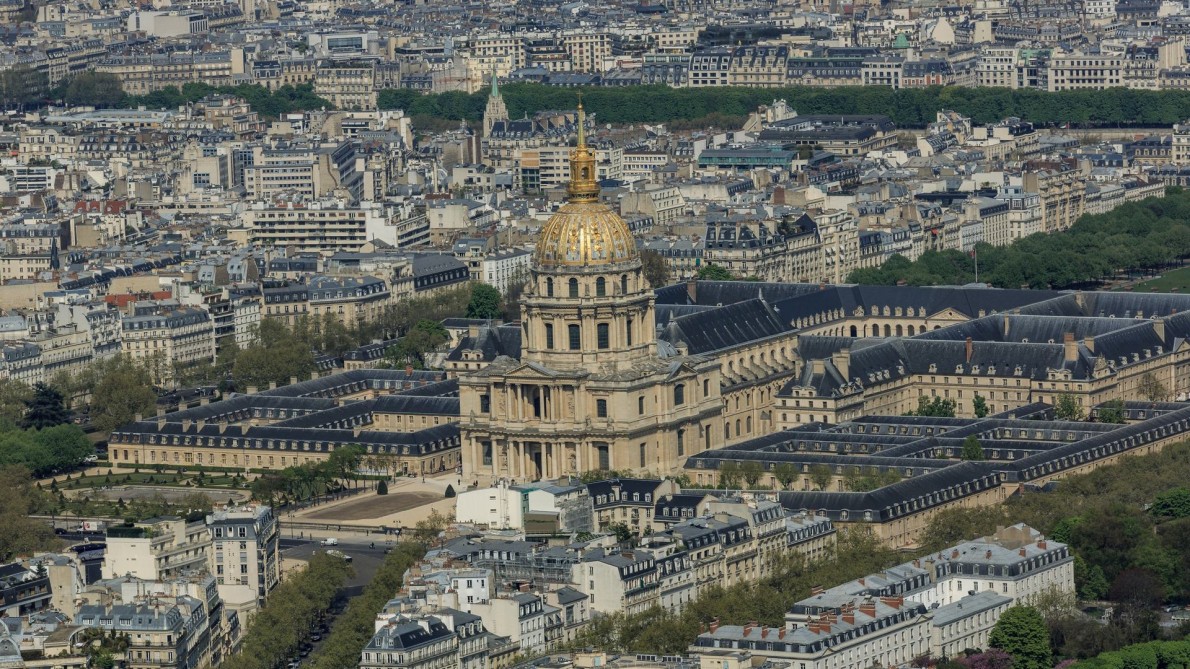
(975,254)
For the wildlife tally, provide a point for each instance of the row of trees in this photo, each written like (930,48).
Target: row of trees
(356,626)
(312,479)
(1147,236)
(910,108)
(279,628)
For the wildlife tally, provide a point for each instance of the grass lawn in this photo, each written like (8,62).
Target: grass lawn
(1174,281)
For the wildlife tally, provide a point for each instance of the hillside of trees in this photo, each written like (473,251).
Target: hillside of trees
(1139,236)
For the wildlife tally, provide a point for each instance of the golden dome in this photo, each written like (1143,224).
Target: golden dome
(584,231)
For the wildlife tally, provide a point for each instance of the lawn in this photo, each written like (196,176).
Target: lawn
(1174,281)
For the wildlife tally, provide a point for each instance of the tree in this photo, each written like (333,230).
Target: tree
(786,473)
(514,289)
(382,487)
(751,471)
(94,89)
(1111,411)
(729,474)
(980,406)
(124,390)
(19,533)
(821,476)
(1173,503)
(1068,408)
(972,450)
(450,491)
(45,408)
(1021,632)
(937,407)
(1152,389)
(655,268)
(485,302)
(422,338)
(276,355)
(713,272)
(427,529)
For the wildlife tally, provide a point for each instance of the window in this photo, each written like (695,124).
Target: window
(601,287)
(640,405)
(549,287)
(681,442)
(573,287)
(679,394)
(549,336)
(642,455)
(628,332)
(485,403)
(601,408)
(623,284)
(573,334)
(601,335)
(706,387)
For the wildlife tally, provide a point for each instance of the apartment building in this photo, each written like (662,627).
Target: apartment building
(156,549)
(321,226)
(310,172)
(245,556)
(347,84)
(165,334)
(442,639)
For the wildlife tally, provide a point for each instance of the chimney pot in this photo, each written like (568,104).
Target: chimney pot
(970,348)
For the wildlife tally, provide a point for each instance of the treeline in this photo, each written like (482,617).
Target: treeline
(1146,235)
(309,480)
(104,90)
(909,108)
(356,626)
(283,624)
(1152,655)
(1128,526)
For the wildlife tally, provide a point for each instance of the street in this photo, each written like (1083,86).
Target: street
(364,560)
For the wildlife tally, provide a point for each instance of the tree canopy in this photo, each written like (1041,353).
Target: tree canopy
(485,302)
(1021,632)
(972,449)
(121,389)
(46,408)
(713,272)
(1136,236)
(276,355)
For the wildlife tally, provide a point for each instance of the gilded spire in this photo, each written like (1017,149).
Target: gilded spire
(583,187)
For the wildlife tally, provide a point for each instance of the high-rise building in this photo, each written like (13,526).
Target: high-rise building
(245,555)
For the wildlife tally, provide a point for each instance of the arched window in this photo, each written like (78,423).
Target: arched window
(726,430)
(628,332)
(549,287)
(601,287)
(748,424)
(573,287)
(623,284)
(854,331)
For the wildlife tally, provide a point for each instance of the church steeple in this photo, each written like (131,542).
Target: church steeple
(496,110)
(583,186)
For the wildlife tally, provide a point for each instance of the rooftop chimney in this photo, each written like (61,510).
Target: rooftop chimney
(1071,346)
(970,349)
(714,625)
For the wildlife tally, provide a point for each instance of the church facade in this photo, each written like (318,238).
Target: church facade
(593,388)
